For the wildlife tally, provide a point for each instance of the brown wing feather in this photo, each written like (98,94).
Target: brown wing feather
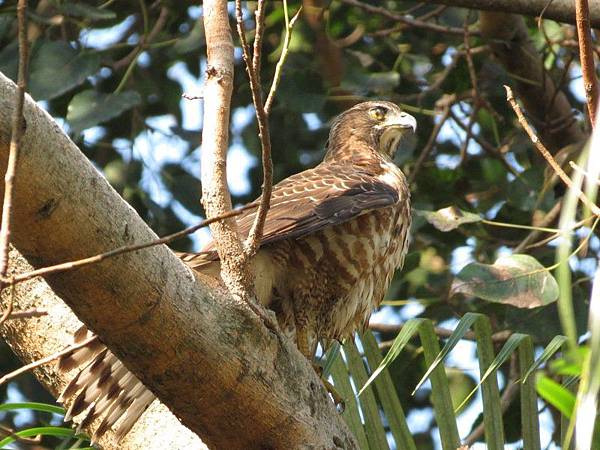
(311,200)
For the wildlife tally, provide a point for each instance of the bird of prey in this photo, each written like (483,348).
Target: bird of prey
(333,238)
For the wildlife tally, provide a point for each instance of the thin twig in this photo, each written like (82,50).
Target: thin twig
(145,40)
(46,360)
(259,17)
(546,154)
(284,52)
(586,56)
(255,235)
(125,249)
(429,146)
(545,222)
(27,314)
(18,125)
(131,59)
(584,172)
(405,19)
(8,432)
(500,336)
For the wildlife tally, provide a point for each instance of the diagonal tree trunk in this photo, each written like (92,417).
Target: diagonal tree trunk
(35,338)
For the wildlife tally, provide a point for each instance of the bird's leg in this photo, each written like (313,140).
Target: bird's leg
(305,348)
(338,400)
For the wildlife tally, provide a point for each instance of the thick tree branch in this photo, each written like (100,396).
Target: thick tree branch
(559,10)
(33,339)
(200,351)
(549,109)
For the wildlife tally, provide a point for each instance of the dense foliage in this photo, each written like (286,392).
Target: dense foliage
(113,73)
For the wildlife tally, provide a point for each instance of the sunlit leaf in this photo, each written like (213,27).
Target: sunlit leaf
(555,394)
(449,218)
(517,280)
(461,329)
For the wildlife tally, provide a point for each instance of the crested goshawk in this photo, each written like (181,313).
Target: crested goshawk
(333,238)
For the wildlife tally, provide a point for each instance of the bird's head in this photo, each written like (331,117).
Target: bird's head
(380,125)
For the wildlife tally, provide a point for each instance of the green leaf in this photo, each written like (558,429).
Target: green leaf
(56,68)
(461,329)
(44,431)
(351,415)
(517,280)
(411,261)
(530,424)
(555,394)
(408,330)
(492,413)
(53,409)
(509,347)
(555,345)
(373,425)
(449,218)
(333,353)
(90,108)
(388,396)
(440,390)
(301,91)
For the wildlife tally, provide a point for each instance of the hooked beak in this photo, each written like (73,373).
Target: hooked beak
(402,121)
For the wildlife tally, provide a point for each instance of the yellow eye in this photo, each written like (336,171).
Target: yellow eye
(377,113)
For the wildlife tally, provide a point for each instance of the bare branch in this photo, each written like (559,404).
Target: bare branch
(559,10)
(48,359)
(407,20)
(18,125)
(548,107)
(500,336)
(289,26)
(546,154)
(590,81)
(255,235)
(145,40)
(57,268)
(429,146)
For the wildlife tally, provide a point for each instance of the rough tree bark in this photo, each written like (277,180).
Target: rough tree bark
(35,338)
(206,356)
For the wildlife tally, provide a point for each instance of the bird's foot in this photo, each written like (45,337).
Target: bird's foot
(338,400)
